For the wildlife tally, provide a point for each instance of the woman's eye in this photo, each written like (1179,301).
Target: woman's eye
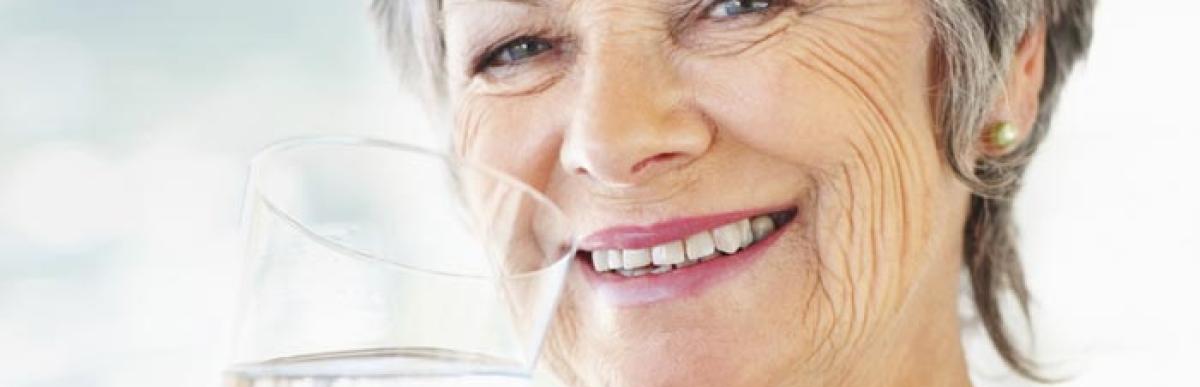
(724,9)
(516,51)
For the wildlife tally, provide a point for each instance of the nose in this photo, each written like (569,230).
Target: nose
(633,121)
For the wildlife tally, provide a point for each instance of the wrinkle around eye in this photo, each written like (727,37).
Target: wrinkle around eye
(502,88)
(729,43)
(530,77)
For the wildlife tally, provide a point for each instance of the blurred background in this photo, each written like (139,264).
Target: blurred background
(125,128)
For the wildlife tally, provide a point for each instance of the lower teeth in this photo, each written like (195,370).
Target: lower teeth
(635,272)
(641,271)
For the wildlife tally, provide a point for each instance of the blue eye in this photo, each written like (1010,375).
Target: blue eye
(517,51)
(732,8)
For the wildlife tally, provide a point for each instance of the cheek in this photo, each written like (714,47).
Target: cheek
(772,107)
(858,118)
(812,97)
(517,135)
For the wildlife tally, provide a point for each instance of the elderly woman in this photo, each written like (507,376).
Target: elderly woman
(772,192)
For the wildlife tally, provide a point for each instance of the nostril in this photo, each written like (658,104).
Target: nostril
(661,157)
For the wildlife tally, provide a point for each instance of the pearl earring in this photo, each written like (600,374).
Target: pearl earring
(1003,136)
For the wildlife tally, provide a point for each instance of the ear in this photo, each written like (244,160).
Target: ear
(1019,101)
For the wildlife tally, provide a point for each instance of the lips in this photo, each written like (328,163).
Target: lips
(633,265)
(638,237)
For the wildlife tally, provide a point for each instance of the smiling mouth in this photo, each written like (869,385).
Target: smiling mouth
(696,248)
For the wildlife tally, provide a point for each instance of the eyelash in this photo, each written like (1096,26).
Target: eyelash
(490,55)
(770,5)
(493,52)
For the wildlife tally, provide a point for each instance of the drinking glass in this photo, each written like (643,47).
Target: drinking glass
(373,263)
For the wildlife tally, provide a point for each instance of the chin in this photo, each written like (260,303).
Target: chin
(718,322)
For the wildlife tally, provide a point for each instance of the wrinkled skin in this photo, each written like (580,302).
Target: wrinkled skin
(635,111)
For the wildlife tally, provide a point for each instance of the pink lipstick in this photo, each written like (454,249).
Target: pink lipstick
(644,283)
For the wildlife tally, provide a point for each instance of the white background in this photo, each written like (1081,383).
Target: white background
(125,127)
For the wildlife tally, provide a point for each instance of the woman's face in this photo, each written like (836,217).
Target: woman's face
(654,122)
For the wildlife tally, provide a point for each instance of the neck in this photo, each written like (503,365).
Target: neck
(925,347)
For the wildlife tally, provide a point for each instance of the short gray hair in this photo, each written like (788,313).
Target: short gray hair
(976,40)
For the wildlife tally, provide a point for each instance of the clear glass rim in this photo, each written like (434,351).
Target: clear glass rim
(253,193)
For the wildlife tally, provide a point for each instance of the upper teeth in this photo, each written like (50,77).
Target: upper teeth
(727,239)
